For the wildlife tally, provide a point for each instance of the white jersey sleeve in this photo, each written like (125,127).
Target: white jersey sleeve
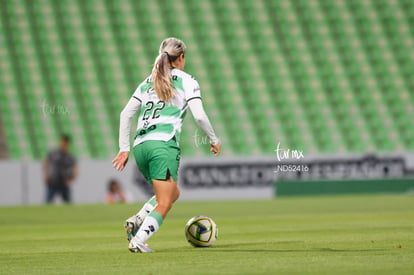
(193,98)
(200,116)
(191,90)
(133,106)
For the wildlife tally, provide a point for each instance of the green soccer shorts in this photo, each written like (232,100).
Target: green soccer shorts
(158,159)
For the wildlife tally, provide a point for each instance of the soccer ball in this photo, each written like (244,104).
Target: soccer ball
(201,231)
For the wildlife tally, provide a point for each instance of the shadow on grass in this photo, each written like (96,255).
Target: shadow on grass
(298,250)
(242,247)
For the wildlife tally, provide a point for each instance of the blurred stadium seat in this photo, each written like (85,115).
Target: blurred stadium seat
(323,76)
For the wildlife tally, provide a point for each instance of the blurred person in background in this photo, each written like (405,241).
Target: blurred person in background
(59,170)
(115,193)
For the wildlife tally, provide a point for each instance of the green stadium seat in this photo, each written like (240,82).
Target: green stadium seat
(303,71)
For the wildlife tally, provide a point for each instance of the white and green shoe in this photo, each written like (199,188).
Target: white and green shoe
(131,226)
(135,246)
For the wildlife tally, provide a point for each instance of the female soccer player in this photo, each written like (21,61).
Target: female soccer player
(161,100)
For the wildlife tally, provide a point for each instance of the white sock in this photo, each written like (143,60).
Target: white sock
(145,210)
(150,225)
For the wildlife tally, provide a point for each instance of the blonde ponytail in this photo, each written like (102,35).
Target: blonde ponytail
(170,50)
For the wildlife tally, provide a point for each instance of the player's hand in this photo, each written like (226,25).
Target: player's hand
(120,161)
(215,149)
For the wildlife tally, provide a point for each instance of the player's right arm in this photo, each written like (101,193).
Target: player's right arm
(133,106)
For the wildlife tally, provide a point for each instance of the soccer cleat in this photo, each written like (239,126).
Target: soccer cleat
(132,226)
(130,230)
(135,246)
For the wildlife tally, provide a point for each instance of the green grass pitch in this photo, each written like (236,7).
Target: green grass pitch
(298,235)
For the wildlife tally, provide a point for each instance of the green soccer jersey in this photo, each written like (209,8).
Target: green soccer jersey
(159,120)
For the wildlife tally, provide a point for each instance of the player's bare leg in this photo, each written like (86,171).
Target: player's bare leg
(167,193)
(133,223)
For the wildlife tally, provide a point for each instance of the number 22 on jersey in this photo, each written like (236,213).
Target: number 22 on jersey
(152,111)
